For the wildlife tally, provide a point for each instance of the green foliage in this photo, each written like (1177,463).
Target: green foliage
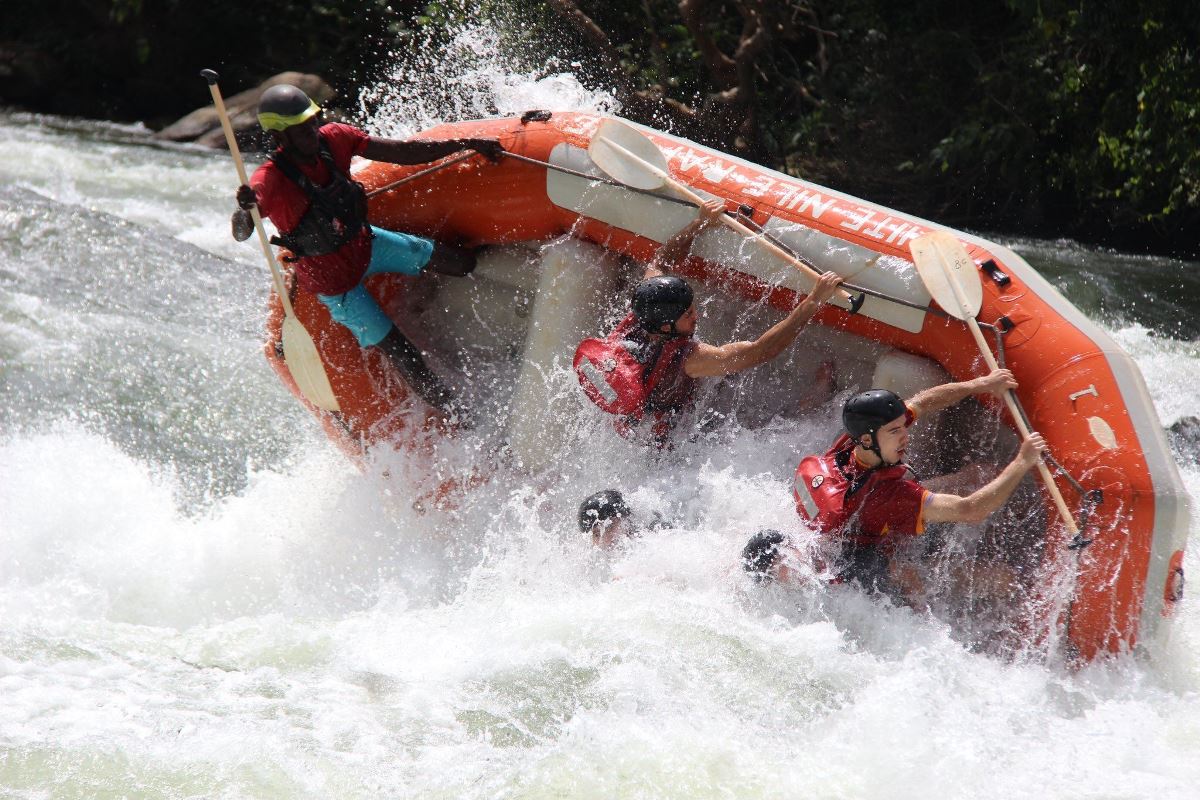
(122,10)
(1108,94)
(1153,159)
(1058,117)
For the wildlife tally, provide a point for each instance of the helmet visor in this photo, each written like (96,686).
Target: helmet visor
(272,121)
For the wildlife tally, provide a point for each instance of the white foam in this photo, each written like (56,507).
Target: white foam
(307,633)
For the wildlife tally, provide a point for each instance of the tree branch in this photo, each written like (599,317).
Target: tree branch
(594,35)
(721,68)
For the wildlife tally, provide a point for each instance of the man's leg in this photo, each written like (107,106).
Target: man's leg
(407,359)
(359,312)
(392,251)
(448,259)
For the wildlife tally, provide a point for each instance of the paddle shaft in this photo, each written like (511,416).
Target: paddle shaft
(1011,402)
(449,163)
(231,140)
(728,221)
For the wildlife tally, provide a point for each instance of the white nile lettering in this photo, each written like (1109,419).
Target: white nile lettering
(857,218)
(760,186)
(897,230)
(877,231)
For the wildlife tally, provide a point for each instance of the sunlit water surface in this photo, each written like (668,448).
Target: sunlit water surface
(201,597)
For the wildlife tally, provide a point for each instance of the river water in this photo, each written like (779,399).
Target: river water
(201,597)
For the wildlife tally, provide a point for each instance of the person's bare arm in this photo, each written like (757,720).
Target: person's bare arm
(676,248)
(707,361)
(416,151)
(976,506)
(935,399)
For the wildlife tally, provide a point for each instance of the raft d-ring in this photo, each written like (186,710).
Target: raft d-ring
(1090,390)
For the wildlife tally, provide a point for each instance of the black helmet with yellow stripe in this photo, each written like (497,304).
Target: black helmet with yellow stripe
(283,106)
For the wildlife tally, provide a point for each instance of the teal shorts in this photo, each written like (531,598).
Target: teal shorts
(357,309)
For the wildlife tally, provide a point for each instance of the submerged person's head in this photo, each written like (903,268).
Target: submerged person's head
(665,304)
(605,517)
(770,557)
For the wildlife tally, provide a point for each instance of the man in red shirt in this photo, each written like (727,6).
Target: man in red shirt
(306,190)
(659,334)
(860,492)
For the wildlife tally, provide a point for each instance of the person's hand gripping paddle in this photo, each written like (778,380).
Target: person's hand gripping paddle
(951,277)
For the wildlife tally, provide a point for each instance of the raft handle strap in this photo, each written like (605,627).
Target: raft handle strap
(995,273)
(745,214)
(1091,500)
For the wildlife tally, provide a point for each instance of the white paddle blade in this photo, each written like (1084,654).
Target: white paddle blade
(929,268)
(948,273)
(962,269)
(628,156)
(304,362)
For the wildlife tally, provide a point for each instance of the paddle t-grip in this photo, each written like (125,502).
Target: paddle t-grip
(210,75)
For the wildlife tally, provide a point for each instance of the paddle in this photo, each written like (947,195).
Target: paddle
(450,162)
(631,158)
(949,274)
(299,351)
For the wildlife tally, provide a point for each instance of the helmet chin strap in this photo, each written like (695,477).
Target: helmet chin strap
(874,448)
(674,331)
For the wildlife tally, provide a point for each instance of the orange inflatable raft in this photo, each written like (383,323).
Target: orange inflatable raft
(529,306)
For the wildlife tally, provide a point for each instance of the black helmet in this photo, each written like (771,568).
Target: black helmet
(282,106)
(870,411)
(661,300)
(605,505)
(759,554)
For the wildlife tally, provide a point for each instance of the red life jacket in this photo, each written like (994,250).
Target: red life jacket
(829,496)
(615,380)
(337,212)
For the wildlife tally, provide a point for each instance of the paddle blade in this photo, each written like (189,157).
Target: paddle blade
(304,362)
(948,273)
(627,155)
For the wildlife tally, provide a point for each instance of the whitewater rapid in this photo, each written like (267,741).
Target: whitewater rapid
(201,597)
